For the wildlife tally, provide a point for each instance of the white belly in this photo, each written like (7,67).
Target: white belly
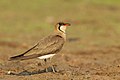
(46,56)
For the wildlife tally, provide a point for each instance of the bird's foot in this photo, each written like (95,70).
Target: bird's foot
(46,69)
(53,69)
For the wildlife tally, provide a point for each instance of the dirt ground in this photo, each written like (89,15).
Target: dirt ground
(94,63)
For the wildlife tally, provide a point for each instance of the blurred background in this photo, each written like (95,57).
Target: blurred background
(93,40)
(95,24)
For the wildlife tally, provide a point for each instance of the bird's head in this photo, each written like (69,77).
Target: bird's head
(61,26)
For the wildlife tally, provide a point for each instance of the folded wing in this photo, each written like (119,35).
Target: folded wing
(49,45)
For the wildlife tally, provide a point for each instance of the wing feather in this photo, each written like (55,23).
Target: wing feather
(49,45)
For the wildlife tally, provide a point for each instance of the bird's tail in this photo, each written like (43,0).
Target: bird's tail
(24,57)
(21,56)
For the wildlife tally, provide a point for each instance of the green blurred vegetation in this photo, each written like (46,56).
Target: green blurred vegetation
(97,22)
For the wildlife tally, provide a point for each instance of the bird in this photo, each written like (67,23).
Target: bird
(48,46)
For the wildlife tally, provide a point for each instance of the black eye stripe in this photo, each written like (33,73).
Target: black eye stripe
(61,23)
(60,29)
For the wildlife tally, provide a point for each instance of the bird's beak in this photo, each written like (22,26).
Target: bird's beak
(67,24)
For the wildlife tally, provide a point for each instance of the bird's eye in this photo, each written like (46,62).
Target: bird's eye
(59,23)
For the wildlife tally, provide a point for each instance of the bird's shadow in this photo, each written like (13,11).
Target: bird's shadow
(27,73)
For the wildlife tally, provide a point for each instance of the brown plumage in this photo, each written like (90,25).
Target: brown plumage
(51,44)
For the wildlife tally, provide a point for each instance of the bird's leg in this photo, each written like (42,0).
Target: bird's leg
(53,69)
(45,60)
(50,62)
